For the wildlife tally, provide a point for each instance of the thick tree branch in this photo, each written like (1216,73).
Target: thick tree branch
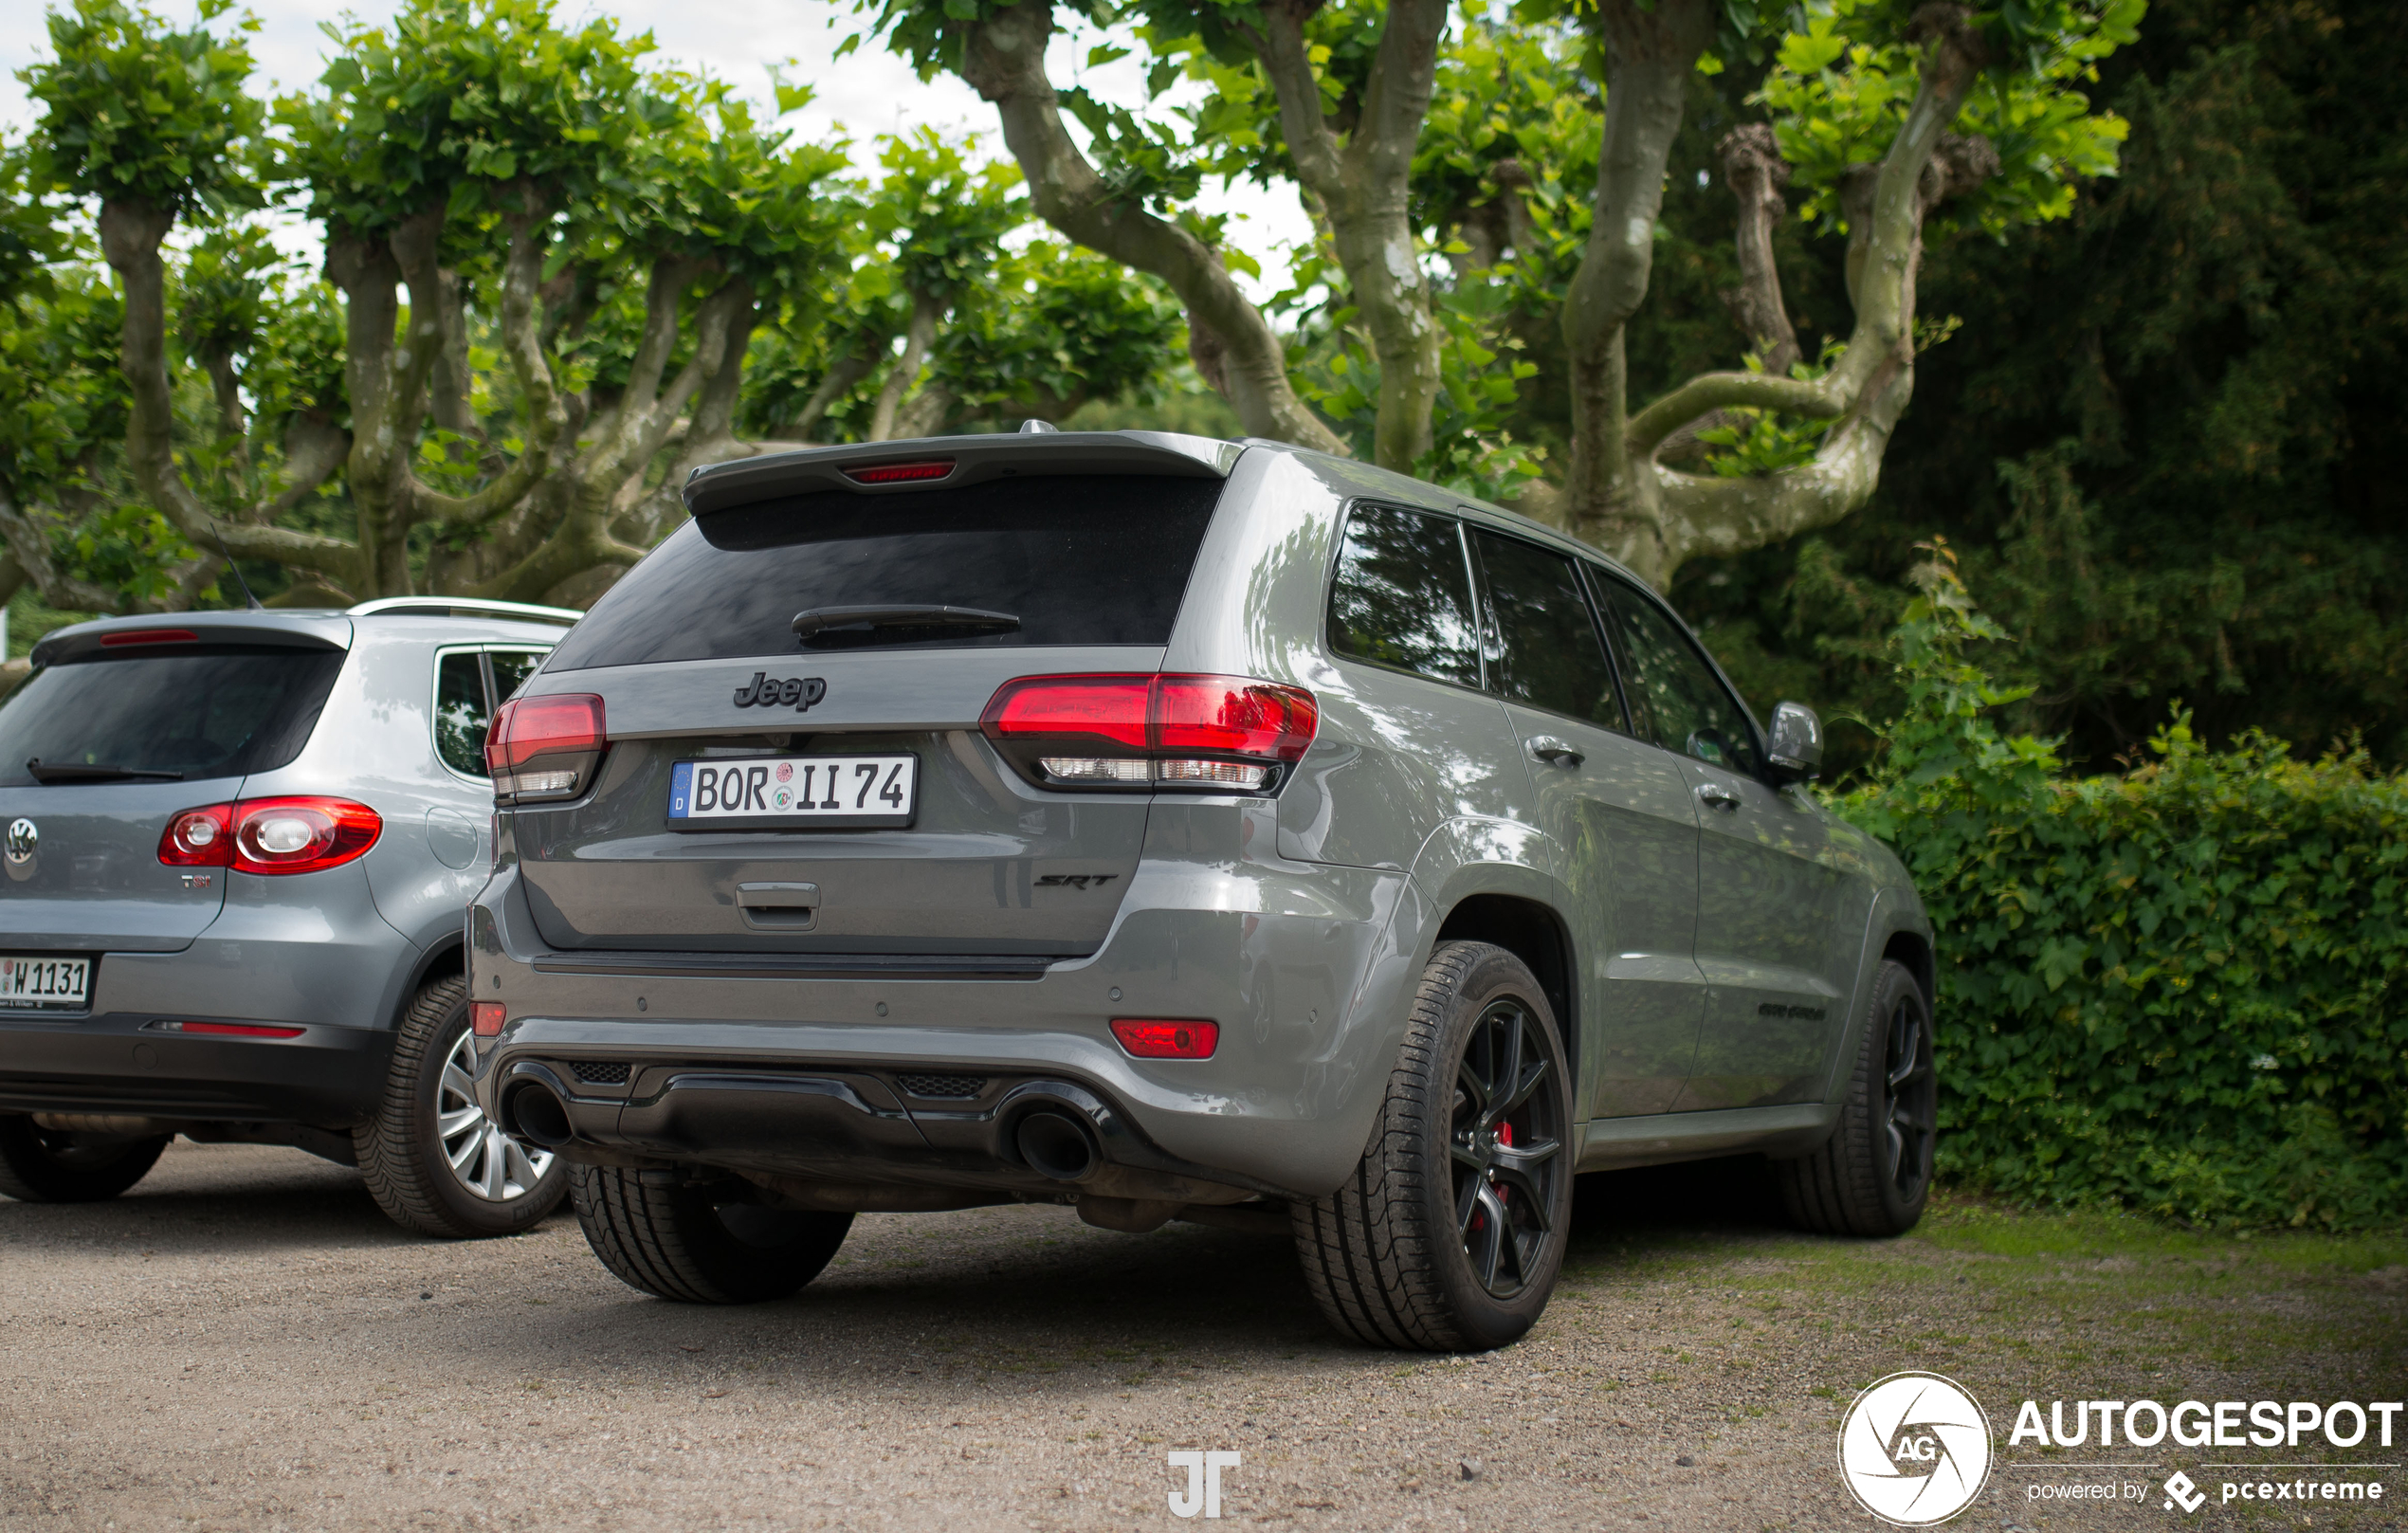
(1363,187)
(1650,55)
(842,375)
(1755,171)
(919,334)
(130,236)
(1004,61)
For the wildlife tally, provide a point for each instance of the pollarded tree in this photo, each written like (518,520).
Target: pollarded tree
(1879,113)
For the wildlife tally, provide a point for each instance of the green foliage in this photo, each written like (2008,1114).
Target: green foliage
(942,216)
(131,110)
(1058,327)
(2178,989)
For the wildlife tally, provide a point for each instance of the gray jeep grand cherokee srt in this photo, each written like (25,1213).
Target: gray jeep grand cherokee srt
(1180,829)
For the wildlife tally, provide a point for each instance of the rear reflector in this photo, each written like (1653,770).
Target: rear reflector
(486,1018)
(1167,1040)
(901,473)
(110,641)
(229,1030)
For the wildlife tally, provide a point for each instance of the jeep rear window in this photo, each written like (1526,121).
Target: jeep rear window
(1086,559)
(224,711)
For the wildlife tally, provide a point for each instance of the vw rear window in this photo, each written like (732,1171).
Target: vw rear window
(1080,559)
(225,711)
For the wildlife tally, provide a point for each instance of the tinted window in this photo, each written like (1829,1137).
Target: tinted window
(1674,694)
(1550,656)
(1079,560)
(217,713)
(1403,597)
(511,668)
(462,715)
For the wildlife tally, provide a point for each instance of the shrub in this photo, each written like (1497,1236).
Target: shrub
(2177,990)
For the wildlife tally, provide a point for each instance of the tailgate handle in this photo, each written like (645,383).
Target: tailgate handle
(778,906)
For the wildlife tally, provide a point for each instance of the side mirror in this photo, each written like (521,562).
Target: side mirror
(1796,748)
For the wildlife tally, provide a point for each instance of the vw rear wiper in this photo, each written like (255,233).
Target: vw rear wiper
(868,624)
(79,772)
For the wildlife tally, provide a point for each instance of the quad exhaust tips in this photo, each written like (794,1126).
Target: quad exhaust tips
(1056,1145)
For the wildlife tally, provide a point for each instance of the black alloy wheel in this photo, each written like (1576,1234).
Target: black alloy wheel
(1873,1176)
(1913,1093)
(1508,1150)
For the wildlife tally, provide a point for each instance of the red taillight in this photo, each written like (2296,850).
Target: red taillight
(545,747)
(304,833)
(1167,1040)
(110,641)
(201,837)
(1177,730)
(1110,709)
(230,1030)
(1229,714)
(486,1018)
(901,473)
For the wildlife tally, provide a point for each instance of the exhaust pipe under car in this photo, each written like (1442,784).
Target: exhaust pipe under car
(1057,1145)
(534,1112)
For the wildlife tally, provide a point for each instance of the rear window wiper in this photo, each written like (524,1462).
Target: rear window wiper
(80,771)
(898,622)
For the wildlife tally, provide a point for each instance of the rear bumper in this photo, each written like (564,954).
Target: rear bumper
(751,1071)
(114,1062)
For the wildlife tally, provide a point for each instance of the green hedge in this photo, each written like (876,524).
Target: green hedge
(2178,989)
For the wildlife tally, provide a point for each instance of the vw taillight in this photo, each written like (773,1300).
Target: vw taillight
(545,747)
(297,833)
(1175,730)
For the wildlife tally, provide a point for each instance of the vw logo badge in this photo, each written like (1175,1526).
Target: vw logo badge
(25,838)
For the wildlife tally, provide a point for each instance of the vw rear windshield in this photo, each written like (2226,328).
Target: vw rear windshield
(1075,559)
(224,711)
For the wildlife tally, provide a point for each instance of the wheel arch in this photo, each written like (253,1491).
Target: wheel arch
(446,955)
(1534,932)
(1913,950)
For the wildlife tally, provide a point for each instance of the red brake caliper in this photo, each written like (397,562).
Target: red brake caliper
(1505,1136)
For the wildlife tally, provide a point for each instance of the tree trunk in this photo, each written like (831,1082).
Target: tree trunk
(1003,60)
(918,337)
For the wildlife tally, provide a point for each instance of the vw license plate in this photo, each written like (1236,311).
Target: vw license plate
(30,983)
(781,792)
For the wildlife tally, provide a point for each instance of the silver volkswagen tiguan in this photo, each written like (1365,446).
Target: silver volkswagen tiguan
(1180,829)
(237,849)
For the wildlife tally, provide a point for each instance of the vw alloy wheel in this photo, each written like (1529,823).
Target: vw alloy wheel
(488,1164)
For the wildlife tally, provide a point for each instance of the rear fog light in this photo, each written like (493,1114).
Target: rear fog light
(1148,1039)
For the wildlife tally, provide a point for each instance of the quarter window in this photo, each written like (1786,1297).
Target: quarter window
(469,685)
(1675,697)
(1403,595)
(1549,655)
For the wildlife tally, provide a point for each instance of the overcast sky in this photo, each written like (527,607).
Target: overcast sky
(868,93)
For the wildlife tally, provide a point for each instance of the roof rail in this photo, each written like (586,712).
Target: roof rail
(463,607)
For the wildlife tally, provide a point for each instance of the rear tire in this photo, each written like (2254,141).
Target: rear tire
(662,1234)
(1449,1234)
(430,1159)
(1873,1174)
(42,1166)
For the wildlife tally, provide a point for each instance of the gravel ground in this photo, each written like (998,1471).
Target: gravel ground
(243,1342)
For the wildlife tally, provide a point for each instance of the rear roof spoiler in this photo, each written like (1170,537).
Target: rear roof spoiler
(967,460)
(167,632)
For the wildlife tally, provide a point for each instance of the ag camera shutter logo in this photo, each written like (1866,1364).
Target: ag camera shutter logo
(1915,1449)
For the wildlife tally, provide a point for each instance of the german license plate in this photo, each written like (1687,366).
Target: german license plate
(794,792)
(29,982)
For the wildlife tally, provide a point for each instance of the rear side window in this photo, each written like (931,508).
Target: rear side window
(1403,595)
(1675,696)
(1083,559)
(1549,655)
(470,686)
(221,712)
